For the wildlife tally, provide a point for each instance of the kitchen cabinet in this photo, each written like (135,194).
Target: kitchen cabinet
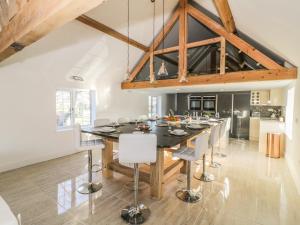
(254,128)
(260,97)
(277,97)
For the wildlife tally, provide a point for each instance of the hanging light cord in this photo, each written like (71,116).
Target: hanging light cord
(128,37)
(163,44)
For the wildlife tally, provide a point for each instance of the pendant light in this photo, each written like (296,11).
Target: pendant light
(152,76)
(128,53)
(163,69)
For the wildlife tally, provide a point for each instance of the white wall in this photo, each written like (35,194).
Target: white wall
(28,82)
(29,79)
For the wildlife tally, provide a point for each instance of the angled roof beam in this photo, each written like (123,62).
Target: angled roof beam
(233,39)
(225,14)
(109,31)
(168,26)
(36,19)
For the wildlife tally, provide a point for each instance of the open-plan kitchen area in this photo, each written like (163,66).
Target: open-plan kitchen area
(169,112)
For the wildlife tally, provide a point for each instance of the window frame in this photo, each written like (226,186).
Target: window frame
(72,91)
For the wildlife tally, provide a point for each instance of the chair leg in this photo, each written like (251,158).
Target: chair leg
(90,187)
(136,213)
(213,164)
(187,195)
(206,177)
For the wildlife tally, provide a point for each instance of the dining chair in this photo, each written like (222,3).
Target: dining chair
(123,120)
(89,146)
(136,149)
(142,118)
(213,141)
(189,155)
(101,122)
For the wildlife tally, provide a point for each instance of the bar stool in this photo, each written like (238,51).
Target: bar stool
(222,132)
(214,139)
(137,148)
(89,145)
(189,154)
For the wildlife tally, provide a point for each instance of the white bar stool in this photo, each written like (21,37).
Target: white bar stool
(137,148)
(6,215)
(189,154)
(222,132)
(89,145)
(214,139)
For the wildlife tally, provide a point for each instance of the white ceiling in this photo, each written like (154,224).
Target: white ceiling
(273,23)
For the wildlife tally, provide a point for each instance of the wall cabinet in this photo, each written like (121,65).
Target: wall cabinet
(260,97)
(277,97)
(254,128)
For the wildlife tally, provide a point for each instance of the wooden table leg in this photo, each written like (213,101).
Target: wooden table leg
(183,168)
(107,157)
(157,175)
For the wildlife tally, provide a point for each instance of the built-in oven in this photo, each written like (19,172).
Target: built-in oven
(195,102)
(209,103)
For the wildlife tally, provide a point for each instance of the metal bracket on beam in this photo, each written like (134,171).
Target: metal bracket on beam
(17,46)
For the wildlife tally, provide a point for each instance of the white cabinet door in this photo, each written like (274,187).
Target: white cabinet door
(277,97)
(254,128)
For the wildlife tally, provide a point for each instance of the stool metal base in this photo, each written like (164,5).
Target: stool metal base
(89,188)
(205,177)
(188,196)
(135,215)
(215,164)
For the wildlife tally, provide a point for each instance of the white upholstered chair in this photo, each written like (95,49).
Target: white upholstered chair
(89,146)
(6,215)
(123,120)
(137,148)
(191,154)
(142,118)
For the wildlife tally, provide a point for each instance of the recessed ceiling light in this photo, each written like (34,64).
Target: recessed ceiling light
(77,78)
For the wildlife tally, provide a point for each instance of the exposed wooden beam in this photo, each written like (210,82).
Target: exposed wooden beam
(204,42)
(109,31)
(234,77)
(166,50)
(36,19)
(168,26)
(233,39)
(182,66)
(225,14)
(223,56)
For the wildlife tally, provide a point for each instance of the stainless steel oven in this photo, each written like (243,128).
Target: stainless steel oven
(209,103)
(195,102)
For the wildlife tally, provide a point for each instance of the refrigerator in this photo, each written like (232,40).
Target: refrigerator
(236,106)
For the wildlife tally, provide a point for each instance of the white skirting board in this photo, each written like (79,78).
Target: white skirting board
(295,174)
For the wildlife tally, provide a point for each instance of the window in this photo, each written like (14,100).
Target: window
(154,106)
(74,106)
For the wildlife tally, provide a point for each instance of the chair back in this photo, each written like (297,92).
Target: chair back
(77,135)
(137,148)
(201,144)
(101,122)
(223,126)
(215,134)
(123,120)
(142,118)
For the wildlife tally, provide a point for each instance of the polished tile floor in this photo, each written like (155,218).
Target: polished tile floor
(250,189)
